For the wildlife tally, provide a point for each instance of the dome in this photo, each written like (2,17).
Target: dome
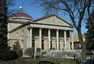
(21,14)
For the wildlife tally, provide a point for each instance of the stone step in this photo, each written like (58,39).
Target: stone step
(62,54)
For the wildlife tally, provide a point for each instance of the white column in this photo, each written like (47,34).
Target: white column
(40,37)
(57,38)
(30,37)
(72,40)
(68,43)
(49,37)
(8,35)
(69,40)
(65,39)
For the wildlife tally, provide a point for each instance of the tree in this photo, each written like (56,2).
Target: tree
(77,10)
(3,27)
(3,24)
(90,32)
(5,52)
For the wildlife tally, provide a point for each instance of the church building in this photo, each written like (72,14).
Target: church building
(47,33)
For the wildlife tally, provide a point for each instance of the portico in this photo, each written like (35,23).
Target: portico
(46,38)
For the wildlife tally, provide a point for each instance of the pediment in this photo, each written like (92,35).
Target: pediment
(53,20)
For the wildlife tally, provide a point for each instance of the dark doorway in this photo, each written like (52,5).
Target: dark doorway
(51,45)
(42,44)
(33,43)
(59,45)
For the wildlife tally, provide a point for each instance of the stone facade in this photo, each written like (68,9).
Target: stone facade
(46,33)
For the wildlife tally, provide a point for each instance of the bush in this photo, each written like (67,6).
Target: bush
(8,55)
(89,53)
(29,52)
(19,52)
(11,55)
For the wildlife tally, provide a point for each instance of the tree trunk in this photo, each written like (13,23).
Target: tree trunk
(83,46)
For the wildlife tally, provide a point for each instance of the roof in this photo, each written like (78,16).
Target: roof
(26,23)
(53,15)
(21,14)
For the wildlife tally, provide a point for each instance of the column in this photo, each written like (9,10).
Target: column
(40,37)
(57,38)
(30,37)
(65,39)
(49,37)
(72,40)
(69,44)
(69,40)
(8,35)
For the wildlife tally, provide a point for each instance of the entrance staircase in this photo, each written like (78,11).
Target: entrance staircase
(63,54)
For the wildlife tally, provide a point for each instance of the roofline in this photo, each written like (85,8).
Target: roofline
(21,17)
(26,23)
(50,24)
(43,18)
(13,15)
(50,16)
(19,27)
(10,21)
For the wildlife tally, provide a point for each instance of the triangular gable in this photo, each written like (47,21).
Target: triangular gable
(52,20)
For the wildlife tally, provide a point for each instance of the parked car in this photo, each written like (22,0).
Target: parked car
(89,61)
(44,62)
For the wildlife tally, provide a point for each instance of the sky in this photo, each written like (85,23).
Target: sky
(37,12)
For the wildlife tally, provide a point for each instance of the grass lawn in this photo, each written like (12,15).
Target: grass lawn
(30,61)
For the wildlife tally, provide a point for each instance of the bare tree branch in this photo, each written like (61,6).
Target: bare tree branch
(70,13)
(82,14)
(88,8)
